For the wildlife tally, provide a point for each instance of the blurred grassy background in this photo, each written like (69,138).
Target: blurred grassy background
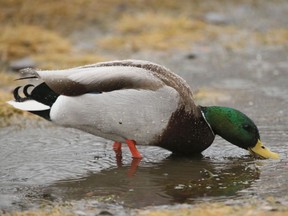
(43,29)
(46,30)
(60,34)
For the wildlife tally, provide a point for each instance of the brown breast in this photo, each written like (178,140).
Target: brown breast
(186,134)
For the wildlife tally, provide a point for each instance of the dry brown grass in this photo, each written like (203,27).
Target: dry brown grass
(6,111)
(161,31)
(273,37)
(67,15)
(42,212)
(48,48)
(58,15)
(39,27)
(215,209)
(205,209)
(7,79)
(25,40)
(156,31)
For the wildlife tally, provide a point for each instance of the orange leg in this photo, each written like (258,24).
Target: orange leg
(117,146)
(133,149)
(118,152)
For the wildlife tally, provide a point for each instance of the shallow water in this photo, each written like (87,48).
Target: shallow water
(45,163)
(57,164)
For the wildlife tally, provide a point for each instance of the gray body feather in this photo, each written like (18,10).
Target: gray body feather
(140,115)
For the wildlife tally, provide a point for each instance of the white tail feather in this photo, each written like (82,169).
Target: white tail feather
(28,105)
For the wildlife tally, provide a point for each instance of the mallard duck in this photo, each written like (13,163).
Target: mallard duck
(137,102)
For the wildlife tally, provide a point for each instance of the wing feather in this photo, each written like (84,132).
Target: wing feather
(77,81)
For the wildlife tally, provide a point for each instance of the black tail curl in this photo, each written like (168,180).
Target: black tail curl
(41,93)
(18,98)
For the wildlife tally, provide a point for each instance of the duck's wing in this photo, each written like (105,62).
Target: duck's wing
(116,75)
(97,78)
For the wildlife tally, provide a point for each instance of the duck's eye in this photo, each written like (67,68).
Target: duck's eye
(247,127)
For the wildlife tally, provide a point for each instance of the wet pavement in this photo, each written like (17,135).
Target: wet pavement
(45,163)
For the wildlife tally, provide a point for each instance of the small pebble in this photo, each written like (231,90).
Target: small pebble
(216,18)
(80,213)
(105,213)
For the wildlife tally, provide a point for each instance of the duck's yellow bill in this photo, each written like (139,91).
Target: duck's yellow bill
(260,150)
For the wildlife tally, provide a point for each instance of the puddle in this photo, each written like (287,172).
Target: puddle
(173,180)
(56,164)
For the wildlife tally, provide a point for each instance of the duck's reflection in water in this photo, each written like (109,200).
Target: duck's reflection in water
(173,180)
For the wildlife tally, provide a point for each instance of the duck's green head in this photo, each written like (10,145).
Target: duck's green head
(238,129)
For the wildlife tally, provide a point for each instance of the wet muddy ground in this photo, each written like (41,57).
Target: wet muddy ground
(44,165)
